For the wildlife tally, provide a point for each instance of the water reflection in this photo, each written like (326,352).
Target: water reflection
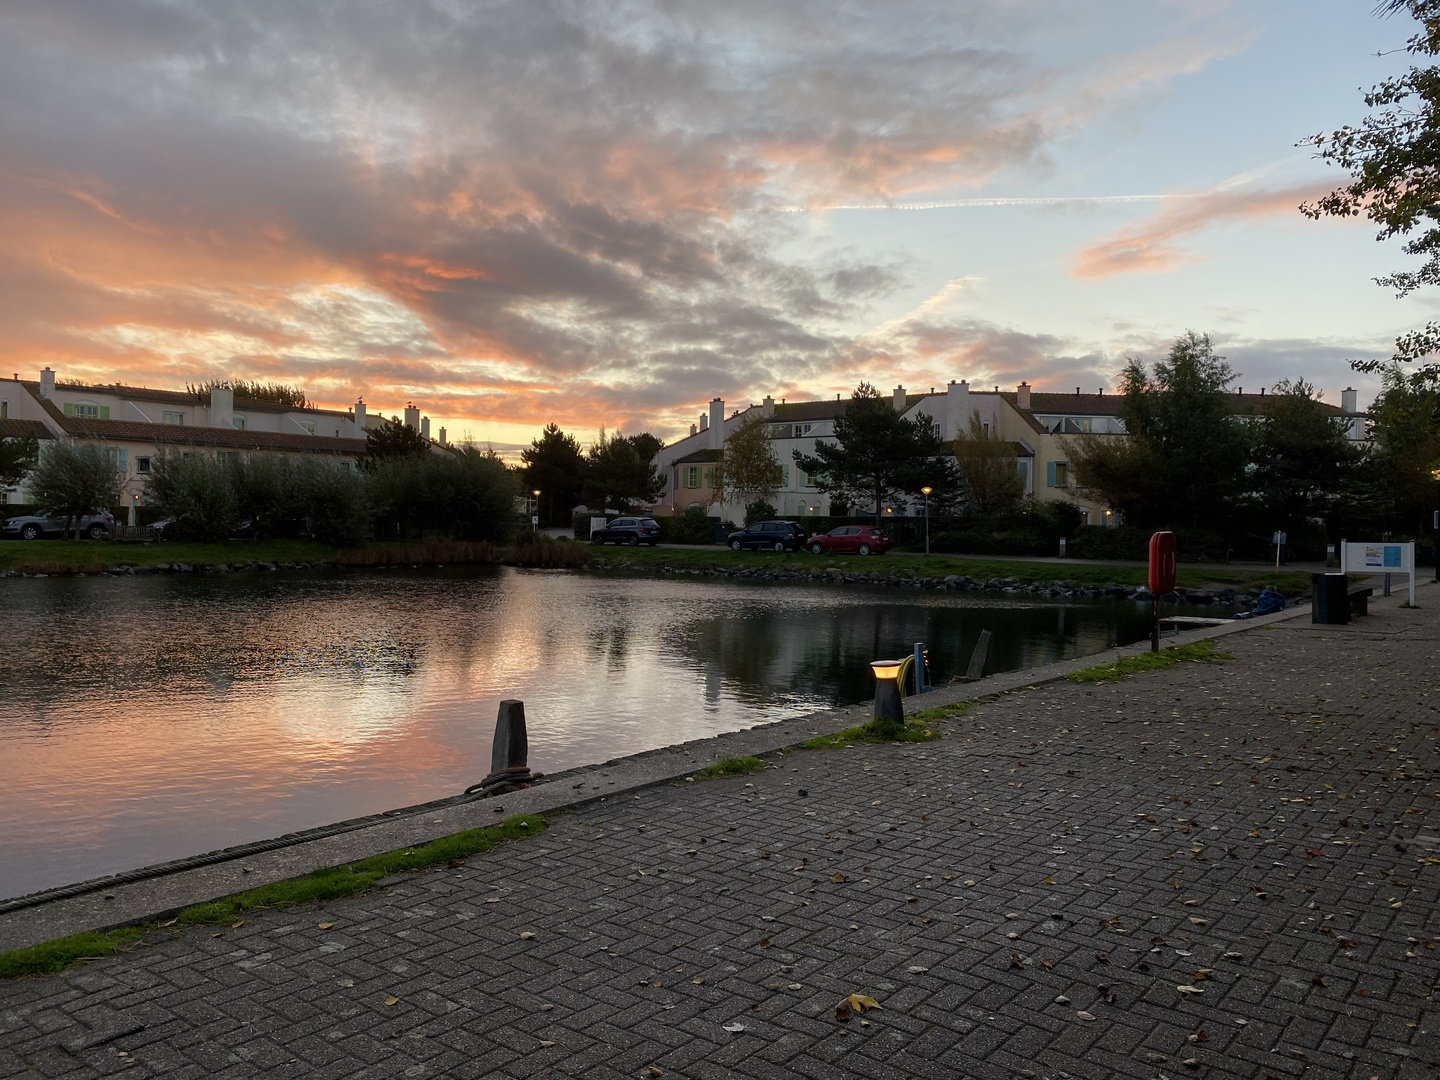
(147,718)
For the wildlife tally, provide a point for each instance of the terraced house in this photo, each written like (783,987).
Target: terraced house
(1038,426)
(136,424)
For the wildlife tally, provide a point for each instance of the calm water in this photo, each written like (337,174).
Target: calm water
(143,719)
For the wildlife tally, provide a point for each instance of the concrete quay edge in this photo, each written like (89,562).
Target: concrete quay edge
(107,904)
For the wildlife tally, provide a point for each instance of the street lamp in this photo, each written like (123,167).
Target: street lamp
(535,517)
(1435,475)
(926,492)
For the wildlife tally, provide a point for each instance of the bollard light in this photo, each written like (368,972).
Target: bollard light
(889,709)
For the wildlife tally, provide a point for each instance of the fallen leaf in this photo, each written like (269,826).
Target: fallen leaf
(793,986)
(1189,989)
(734,1026)
(699,980)
(392,1001)
(1011,915)
(837,878)
(526,935)
(861,1002)
(1012,936)
(546,1007)
(1316,980)
(1047,964)
(1015,960)
(546,1043)
(1083,1015)
(842,1012)
(1102,957)
(1197,922)
(326,925)
(653,1071)
(1201,975)
(1191,903)
(918,970)
(1061,999)
(172,922)
(237,924)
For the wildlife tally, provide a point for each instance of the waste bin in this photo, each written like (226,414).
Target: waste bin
(723,529)
(1331,605)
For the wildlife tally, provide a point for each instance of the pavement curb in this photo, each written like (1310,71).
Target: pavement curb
(160,891)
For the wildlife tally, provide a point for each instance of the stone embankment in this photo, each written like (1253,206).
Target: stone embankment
(176,568)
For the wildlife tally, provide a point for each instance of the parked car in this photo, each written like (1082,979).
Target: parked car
(769,535)
(96,524)
(851,539)
(628,530)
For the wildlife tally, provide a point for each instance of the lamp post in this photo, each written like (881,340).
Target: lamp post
(926,492)
(535,517)
(1435,475)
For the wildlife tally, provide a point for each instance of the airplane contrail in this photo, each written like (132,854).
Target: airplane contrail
(1043,200)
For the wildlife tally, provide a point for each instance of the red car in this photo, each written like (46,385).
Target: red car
(851,539)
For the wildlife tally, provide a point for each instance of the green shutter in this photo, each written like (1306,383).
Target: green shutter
(1050,473)
(69,408)
(104,412)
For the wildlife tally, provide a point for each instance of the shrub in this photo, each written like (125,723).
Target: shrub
(196,491)
(694,526)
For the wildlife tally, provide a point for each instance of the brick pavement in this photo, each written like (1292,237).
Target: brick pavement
(1263,831)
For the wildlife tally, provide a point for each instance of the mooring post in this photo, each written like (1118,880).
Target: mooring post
(510,750)
(980,657)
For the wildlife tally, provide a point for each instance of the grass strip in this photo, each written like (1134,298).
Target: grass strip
(1201,652)
(734,766)
(915,730)
(327,883)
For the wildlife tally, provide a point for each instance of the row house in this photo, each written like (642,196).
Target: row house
(1037,425)
(137,424)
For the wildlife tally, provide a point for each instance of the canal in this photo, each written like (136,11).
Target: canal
(148,718)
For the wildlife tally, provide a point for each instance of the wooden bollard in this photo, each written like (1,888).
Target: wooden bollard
(510,749)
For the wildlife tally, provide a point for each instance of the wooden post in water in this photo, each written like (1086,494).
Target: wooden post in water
(510,749)
(980,657)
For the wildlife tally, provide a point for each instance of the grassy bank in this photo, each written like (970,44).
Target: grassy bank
(940,566)
(95,556)
(327,883)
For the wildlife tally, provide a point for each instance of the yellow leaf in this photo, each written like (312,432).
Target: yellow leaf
(698,980)
(392,1001)
(237,924)
(859,1002)
(837,877)
(326,925)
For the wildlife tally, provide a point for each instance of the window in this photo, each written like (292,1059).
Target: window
(173,418)
(239,422)
(1057,474)
(142,466)
(119,459)
(4,409)
(783,474)
(1023,468)
(710,477)
(84,410)
(308,426)
(228,457)
(692,476)
(801,480)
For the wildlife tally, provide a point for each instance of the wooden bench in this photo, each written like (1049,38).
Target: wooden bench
(1359,598)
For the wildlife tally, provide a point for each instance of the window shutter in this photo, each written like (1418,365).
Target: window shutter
(69,408)
(104,412)
(1050,473)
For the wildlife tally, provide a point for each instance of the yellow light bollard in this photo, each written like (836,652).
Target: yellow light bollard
(889,708)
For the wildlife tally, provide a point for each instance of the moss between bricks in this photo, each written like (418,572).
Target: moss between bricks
(1202,652)
(735,766)
(327,883)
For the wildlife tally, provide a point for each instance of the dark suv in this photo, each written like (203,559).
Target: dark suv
(770,536)
(628,530)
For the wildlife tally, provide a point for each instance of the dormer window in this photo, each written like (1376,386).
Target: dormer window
(239,422)
(173,418)
(85,410)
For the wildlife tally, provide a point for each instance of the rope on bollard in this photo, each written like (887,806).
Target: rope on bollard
(503,782)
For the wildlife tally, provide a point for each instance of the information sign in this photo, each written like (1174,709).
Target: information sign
(1379,558)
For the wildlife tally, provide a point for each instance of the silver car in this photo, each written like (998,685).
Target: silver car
(96,525)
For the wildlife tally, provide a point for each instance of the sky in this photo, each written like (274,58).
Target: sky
(604,213)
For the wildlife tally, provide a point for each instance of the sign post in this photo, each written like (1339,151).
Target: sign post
(1162,579)
(1381,558)
(1278,540)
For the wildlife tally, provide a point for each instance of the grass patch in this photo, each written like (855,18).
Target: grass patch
(942,712)
(915,730)
(327,883)
(734,766)
(940,566)
(1202,652)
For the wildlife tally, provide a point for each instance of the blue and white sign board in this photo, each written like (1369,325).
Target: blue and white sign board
(1379,558)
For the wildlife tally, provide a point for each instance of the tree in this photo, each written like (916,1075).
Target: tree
(622,469)
(196,491)
(1393,157)
(987,463)
(18,454)
(748,470)
(553,465)
(1406,429)
(291,397)
(878,454)
(1184,460)
(392,439)
(1302,459)
(72,478)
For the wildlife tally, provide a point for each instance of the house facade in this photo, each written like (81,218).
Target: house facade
(135,425)
(1038,426)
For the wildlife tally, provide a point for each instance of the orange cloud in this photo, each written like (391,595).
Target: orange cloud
(1152,247)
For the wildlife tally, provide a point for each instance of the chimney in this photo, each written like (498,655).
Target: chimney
(767,407)
(360,418)
(1348,400)
(222,407)
(1022,395)
(957,410)
(442,437)
(704,422)
(412,416)
(425,427)
(693,431)
(899,399)
(47,383)
(717,424)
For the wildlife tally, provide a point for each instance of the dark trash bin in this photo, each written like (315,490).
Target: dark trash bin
(1331,605)
(722,532)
